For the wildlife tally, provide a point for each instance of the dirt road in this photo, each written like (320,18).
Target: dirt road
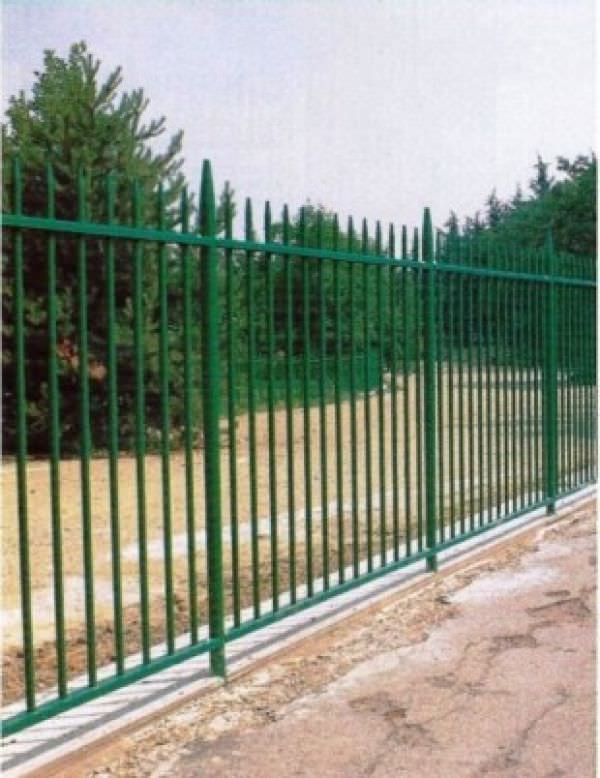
(488,671)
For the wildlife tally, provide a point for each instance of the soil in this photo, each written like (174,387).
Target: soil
(457,497)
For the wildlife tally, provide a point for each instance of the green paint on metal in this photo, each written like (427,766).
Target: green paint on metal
(113,433)
(165,435)
(85,439)
(289,403)
(487,408)
(140,425)
(271,411)
(189,417)
(430,400)
(211,386)
(54,426)
(550,383)
(21,401)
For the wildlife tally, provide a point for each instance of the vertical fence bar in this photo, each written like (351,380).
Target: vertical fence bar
(409,352)
(323,408)
(490,438)
(580,324)
(497,287)
(430,390)
(271,413)
(306,337)
(232,381)
(592,336)
(420,308)
(85,438)
(530,362)
(504,286)
(54,426)
(140,424)
(585,418)
(450,287)
(461,280)
(252,458)
(550,381)
(570,405)
(582,391)
(211,384)
(441,355)
(381,406)
(289,404)
(113,430)
(479,358)
(562,293)
(353,422)
(165,436)
(21,414)
(575,379)
(538,315)
(581,383)
(339,442)
(591,373)
(411,326)
(367,397)
(392,282)
(189,417)
(512,285)
(519,289)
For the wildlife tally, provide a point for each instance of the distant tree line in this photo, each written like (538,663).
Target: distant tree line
(514,234)
(565,203)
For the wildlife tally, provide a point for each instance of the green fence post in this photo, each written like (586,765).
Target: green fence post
(211,390)
(550,382)
(430,401)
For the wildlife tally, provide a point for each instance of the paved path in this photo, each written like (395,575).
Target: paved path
(504,687)
(488,672)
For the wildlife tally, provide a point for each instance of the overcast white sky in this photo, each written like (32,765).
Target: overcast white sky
(371,108)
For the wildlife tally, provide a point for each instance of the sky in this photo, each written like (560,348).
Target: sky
(372,108)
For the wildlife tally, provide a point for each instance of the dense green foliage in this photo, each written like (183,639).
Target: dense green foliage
(319,311)
(564,203)
(515,234)
(87,130)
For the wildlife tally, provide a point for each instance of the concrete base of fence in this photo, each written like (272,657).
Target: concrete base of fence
(50,747)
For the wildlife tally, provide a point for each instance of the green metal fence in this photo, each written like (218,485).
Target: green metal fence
(203,435)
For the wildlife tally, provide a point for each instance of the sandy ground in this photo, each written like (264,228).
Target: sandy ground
(455,492)
(488,671)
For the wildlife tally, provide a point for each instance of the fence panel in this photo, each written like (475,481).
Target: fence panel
(204,434)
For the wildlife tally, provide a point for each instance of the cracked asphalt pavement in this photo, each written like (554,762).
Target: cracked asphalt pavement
(487,671)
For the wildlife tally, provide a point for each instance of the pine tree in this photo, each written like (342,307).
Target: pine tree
(542,183)
(495,210)
(88,129)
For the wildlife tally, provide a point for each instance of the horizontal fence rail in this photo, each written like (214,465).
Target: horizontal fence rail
(203,435)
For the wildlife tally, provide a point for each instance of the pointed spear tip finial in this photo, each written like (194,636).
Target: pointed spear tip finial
(248,221)
(206,181)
